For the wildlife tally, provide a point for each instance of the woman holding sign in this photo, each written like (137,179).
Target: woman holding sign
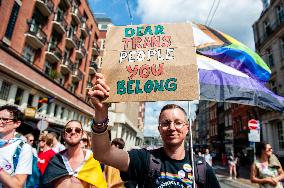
(266,169)
(169,166)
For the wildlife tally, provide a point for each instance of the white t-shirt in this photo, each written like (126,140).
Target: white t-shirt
(208,159)
(24,165)
(58,147)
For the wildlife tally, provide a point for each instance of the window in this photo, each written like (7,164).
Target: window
(48,108)
(73,87)
(103,26)
(270,58)
(62,79)
(29,53)
(55,110)
(273,86)
(62,113)
(267,28)
(280,13)
(19,96)
(40,104)
(282,47)
(4,91)
(48,68)
(12,20)
(30,100)
(280,135)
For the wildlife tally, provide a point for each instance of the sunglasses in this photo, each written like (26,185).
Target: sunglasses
(269,149)
(70,130)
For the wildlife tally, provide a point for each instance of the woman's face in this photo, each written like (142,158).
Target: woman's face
(268,150)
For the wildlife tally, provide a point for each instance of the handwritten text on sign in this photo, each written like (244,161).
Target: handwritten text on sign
(150,63)
(137,40)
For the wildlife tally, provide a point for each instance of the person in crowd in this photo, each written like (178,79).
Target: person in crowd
(57,146)
(232,166)
(31,140)
(134,165)
(224,159)
(45,145)
(12,174)
(112,174)
(266,169)
(199,154)
(73,167)
(85,141)
(208,157)
(238,157)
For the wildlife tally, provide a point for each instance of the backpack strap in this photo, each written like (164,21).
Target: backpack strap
(154,169)
(200,169)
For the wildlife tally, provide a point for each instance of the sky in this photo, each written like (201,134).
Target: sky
(234,18)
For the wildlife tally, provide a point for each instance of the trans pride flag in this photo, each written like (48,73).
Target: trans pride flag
(230,72)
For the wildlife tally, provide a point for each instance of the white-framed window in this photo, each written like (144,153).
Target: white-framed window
(73,87)
(4,90)
(19,96)
(29,53)
(62,113)
(48,108)
(48,68)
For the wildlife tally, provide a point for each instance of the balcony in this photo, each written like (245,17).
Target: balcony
(45,7)
(71,39)
(93,67)
(85,29)
(66,66)
(77,75)
(59,23)
(35,37)
(53,53)
(76,14)
(95,50)
(80,51)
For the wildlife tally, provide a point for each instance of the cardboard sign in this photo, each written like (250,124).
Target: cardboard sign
(151,63)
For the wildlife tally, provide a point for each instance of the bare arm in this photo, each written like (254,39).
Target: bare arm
(255,179)
(102,150)
(12,181)
(280,176)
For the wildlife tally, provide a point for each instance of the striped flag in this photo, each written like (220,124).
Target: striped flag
(231,72)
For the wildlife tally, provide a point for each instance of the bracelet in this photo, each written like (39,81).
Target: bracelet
(99,125)
(95,132)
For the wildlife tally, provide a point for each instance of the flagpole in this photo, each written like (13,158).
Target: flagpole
(191,145)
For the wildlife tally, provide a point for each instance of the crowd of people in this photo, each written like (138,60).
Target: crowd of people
(93,161)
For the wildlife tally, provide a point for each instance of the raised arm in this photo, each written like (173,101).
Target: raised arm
(102,150)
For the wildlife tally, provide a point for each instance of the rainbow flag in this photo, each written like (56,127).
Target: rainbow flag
(46,100)
(231,72)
